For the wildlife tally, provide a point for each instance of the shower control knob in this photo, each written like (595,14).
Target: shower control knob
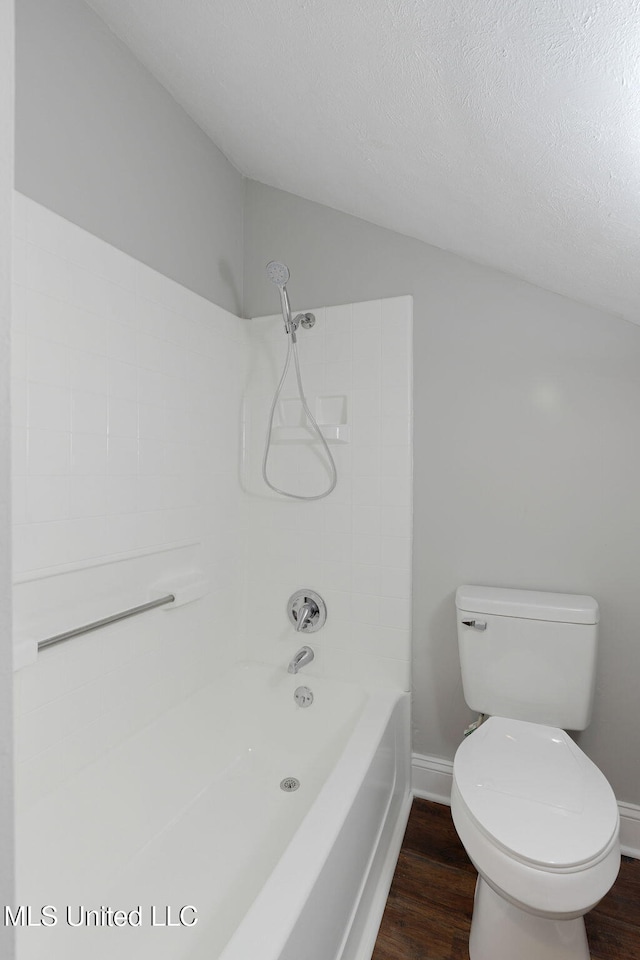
(307,611)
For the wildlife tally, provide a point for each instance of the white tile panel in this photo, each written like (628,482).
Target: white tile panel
(122,379)
(122,495)
(49,407)
(88,454)
(45,273)
(49,452)
(122,417)
(122,456)
(88,495)
(88,412)
(47,317)
(87,371)
(366,578)
(48,498)
(365,524)
(127,411)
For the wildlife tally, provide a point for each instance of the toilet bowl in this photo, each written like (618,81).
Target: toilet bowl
(540,823)
(536,816)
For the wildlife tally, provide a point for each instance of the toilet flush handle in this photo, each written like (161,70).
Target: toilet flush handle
(476,624)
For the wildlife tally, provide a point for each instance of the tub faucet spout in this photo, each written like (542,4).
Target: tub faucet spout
(300,659)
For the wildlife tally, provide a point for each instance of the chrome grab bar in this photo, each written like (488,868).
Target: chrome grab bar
(96,624)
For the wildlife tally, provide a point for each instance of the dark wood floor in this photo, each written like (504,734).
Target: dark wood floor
(428,912)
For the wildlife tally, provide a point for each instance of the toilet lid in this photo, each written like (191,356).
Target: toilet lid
(536,794)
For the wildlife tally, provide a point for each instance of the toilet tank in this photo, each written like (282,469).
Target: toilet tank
(528,655)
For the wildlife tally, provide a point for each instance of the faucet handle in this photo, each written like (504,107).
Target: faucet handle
(304,614)
(307,611)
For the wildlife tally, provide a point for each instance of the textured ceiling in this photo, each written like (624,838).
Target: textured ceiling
(504,130)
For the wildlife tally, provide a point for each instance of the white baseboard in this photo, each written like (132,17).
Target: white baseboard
(431,779)
(629,829)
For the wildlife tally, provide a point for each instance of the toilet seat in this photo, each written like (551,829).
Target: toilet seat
(533,793)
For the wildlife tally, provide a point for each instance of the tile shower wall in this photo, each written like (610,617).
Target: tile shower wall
(126,418)
(354,547)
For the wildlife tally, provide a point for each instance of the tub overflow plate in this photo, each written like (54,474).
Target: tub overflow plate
(303,696)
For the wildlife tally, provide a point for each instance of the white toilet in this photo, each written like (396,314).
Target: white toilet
(537,818)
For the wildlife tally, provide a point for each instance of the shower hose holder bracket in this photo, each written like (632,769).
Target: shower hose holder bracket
(305,320)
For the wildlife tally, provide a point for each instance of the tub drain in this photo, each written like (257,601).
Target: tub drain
(289,784)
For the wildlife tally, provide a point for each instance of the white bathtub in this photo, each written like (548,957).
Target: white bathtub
(190,813)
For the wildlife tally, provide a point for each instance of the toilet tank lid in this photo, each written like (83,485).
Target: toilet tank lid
(528,604)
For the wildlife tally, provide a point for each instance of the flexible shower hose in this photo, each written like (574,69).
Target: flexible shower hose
(292,347)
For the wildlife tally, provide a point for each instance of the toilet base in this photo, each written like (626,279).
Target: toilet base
(501,931)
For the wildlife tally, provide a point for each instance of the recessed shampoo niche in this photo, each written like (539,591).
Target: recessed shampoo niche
(331,412)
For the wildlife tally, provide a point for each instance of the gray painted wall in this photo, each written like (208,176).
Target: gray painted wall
(99,141)
(6,674)
(526,454)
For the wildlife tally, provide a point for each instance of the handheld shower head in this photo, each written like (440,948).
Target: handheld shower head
(278,273)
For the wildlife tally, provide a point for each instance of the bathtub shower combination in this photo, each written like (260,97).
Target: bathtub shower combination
(190,786)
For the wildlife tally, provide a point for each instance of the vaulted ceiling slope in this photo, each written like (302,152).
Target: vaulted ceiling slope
(507,131)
